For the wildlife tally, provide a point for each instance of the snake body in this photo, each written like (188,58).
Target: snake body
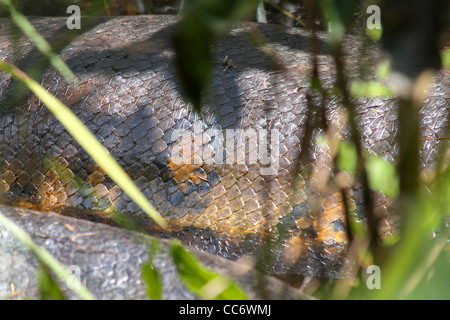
(129,96)
(109,261)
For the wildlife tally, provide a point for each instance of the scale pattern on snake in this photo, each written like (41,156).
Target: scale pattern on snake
(128,95)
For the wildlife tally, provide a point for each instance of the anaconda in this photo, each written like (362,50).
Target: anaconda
(128,94)
(109,261)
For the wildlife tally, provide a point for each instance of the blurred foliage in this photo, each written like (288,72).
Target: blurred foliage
(48,287)
(203,282)
(446,59)
(416,266)
(400,259)
(151,275)
(191,271)
(203,22)
(370,89)
(382,176)
(346,157)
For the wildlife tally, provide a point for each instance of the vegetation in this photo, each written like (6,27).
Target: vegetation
(412,266)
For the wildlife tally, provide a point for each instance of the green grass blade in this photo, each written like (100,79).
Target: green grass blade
(46,258)
(48,287)
(27,28)
(87,140)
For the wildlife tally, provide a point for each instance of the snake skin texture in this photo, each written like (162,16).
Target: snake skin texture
(128,95)
(109,261)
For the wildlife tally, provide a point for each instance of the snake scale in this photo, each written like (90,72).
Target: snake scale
(128,94)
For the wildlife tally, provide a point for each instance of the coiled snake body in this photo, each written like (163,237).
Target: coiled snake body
(128,95)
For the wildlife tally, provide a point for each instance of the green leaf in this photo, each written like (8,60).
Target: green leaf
(152,279)
(446,58)
(374,34)
(193,43)
(390,240)
(332,14)
(369,89)
(357,225)
(382,176)
(48,288)
(203,282)
(151,275)
(204,21)
(347,157)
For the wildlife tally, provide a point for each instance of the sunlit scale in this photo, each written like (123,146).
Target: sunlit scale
(128,96)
